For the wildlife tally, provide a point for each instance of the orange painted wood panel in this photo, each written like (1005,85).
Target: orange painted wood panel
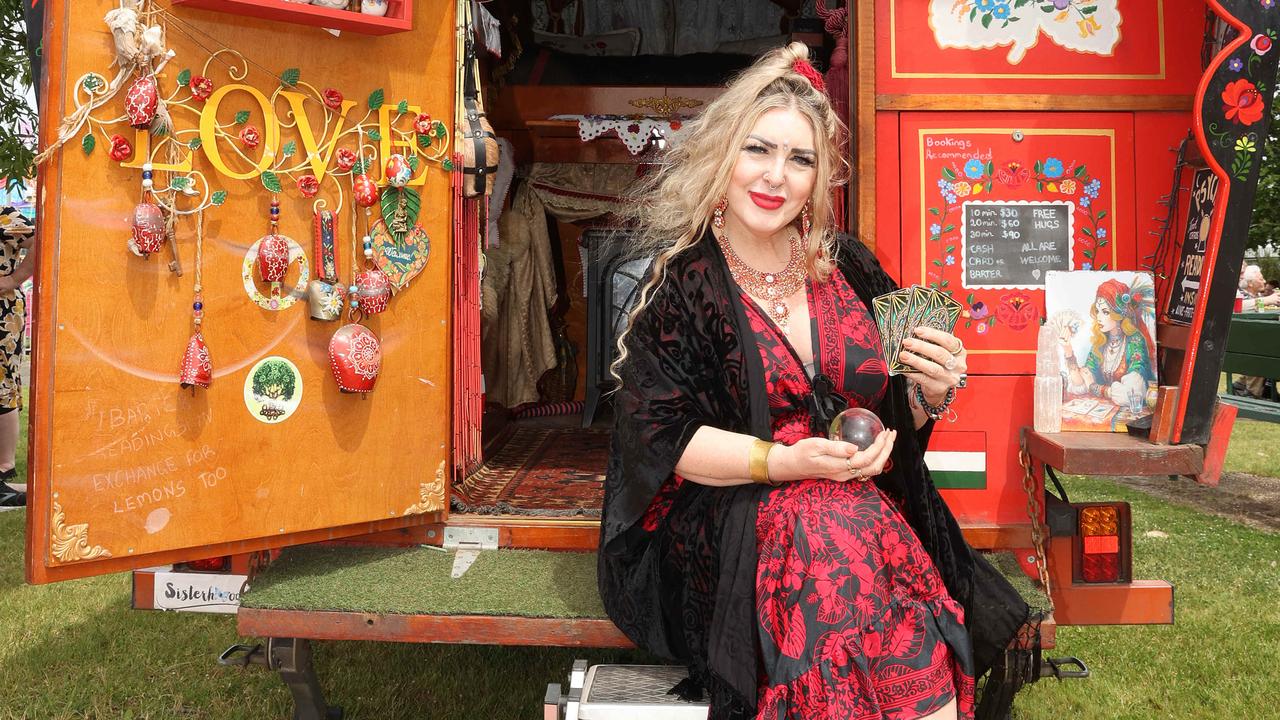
(127,468)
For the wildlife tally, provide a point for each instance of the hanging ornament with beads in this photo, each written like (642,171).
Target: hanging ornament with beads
(197,369)
(148,227)
(355,353)
(326,294)
(268,261)
(400,244)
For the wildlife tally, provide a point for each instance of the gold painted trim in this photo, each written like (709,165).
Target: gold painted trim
(430,495)
(1109,133)
(70,543)
(893,60)
(665,106)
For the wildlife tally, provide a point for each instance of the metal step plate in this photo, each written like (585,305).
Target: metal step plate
(636,692)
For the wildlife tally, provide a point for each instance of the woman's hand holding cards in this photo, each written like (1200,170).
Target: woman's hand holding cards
(939,358)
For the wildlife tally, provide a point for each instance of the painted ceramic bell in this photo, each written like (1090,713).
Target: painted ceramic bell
(197,370)
(373,7)
(365,191)
(373,291)
(273,258)
(399,172)
(141,100)
(355,356)
(326,299)
(148,229)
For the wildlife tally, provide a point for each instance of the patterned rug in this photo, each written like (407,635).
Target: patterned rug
(539,471)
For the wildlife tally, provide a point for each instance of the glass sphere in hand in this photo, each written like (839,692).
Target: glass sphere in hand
(859,426)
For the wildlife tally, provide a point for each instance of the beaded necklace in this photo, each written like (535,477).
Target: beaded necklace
(772,288)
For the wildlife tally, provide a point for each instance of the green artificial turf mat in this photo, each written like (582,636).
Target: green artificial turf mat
(1008,566)
(413,581)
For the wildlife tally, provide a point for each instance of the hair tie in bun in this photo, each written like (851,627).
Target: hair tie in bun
(810,73)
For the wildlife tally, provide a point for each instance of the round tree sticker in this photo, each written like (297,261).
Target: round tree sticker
(273,389)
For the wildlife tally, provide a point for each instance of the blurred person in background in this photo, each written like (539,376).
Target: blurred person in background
(16,265)
(1254,298)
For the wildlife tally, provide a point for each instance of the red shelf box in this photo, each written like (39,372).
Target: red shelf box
(399,17)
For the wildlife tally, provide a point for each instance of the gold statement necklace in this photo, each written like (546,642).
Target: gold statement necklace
(771,288)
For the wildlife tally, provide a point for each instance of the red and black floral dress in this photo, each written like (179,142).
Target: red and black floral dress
(853,618)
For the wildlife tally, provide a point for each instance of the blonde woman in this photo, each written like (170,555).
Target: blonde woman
(796,576)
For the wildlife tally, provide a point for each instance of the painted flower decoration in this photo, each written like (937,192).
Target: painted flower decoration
(1101,233)
(1016,310)
(1242,102)
(1067,187)
(962,189)
(250,136)
(935,229)
(1001,11)
(1086,266)
(1053,168)
(121,150)
(1261,44)
(951,259)
(986,5)
(981,328)
(1236,64)
(332,99)
(978,310)
(346,159)
(422,124)
(308,185)
(974,169)
(1268,4)
(1245,144)
(201,87)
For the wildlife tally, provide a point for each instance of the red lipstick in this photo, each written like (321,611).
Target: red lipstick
(768,202)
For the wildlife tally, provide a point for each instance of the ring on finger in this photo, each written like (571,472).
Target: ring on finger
(959,348)
(951,363)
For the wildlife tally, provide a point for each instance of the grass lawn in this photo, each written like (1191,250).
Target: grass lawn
(76,650)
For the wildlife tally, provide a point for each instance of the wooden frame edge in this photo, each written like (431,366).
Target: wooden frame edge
(454,629)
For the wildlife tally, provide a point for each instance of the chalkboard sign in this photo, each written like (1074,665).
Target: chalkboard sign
(1012,244)
(1186,279)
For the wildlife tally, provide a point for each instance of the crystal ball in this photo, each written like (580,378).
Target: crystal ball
(859,426)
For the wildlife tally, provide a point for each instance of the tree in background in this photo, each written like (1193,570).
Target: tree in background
(1266,206)
(17,118)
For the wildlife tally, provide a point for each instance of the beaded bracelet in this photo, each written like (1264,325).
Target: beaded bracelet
(935,412)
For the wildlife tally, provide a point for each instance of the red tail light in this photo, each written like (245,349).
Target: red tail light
(1103,543)
(214,564)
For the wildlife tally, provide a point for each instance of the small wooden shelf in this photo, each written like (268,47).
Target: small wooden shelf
(1118,454)
(399,17)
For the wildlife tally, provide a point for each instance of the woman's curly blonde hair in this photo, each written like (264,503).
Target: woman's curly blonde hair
(671,208)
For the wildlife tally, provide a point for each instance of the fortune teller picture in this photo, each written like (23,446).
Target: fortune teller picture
(1105,326)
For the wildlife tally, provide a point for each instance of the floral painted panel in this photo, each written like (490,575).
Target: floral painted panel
(1085,26)
(998,206)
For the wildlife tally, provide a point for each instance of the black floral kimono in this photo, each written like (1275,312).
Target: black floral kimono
(688,367)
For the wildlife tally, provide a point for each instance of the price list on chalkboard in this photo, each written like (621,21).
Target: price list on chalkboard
(1013,244)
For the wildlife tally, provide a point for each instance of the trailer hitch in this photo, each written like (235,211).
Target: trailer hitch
(291,657)
(1059,668)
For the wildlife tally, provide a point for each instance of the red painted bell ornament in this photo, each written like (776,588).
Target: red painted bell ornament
(373,291)
(273,258)
(141,101)
(365,191)
(197,370)
(149,231)
(355,355)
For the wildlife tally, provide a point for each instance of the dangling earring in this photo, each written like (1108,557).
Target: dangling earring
(717,215)
(806,223)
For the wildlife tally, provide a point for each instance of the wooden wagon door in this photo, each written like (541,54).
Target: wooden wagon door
(128,469)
